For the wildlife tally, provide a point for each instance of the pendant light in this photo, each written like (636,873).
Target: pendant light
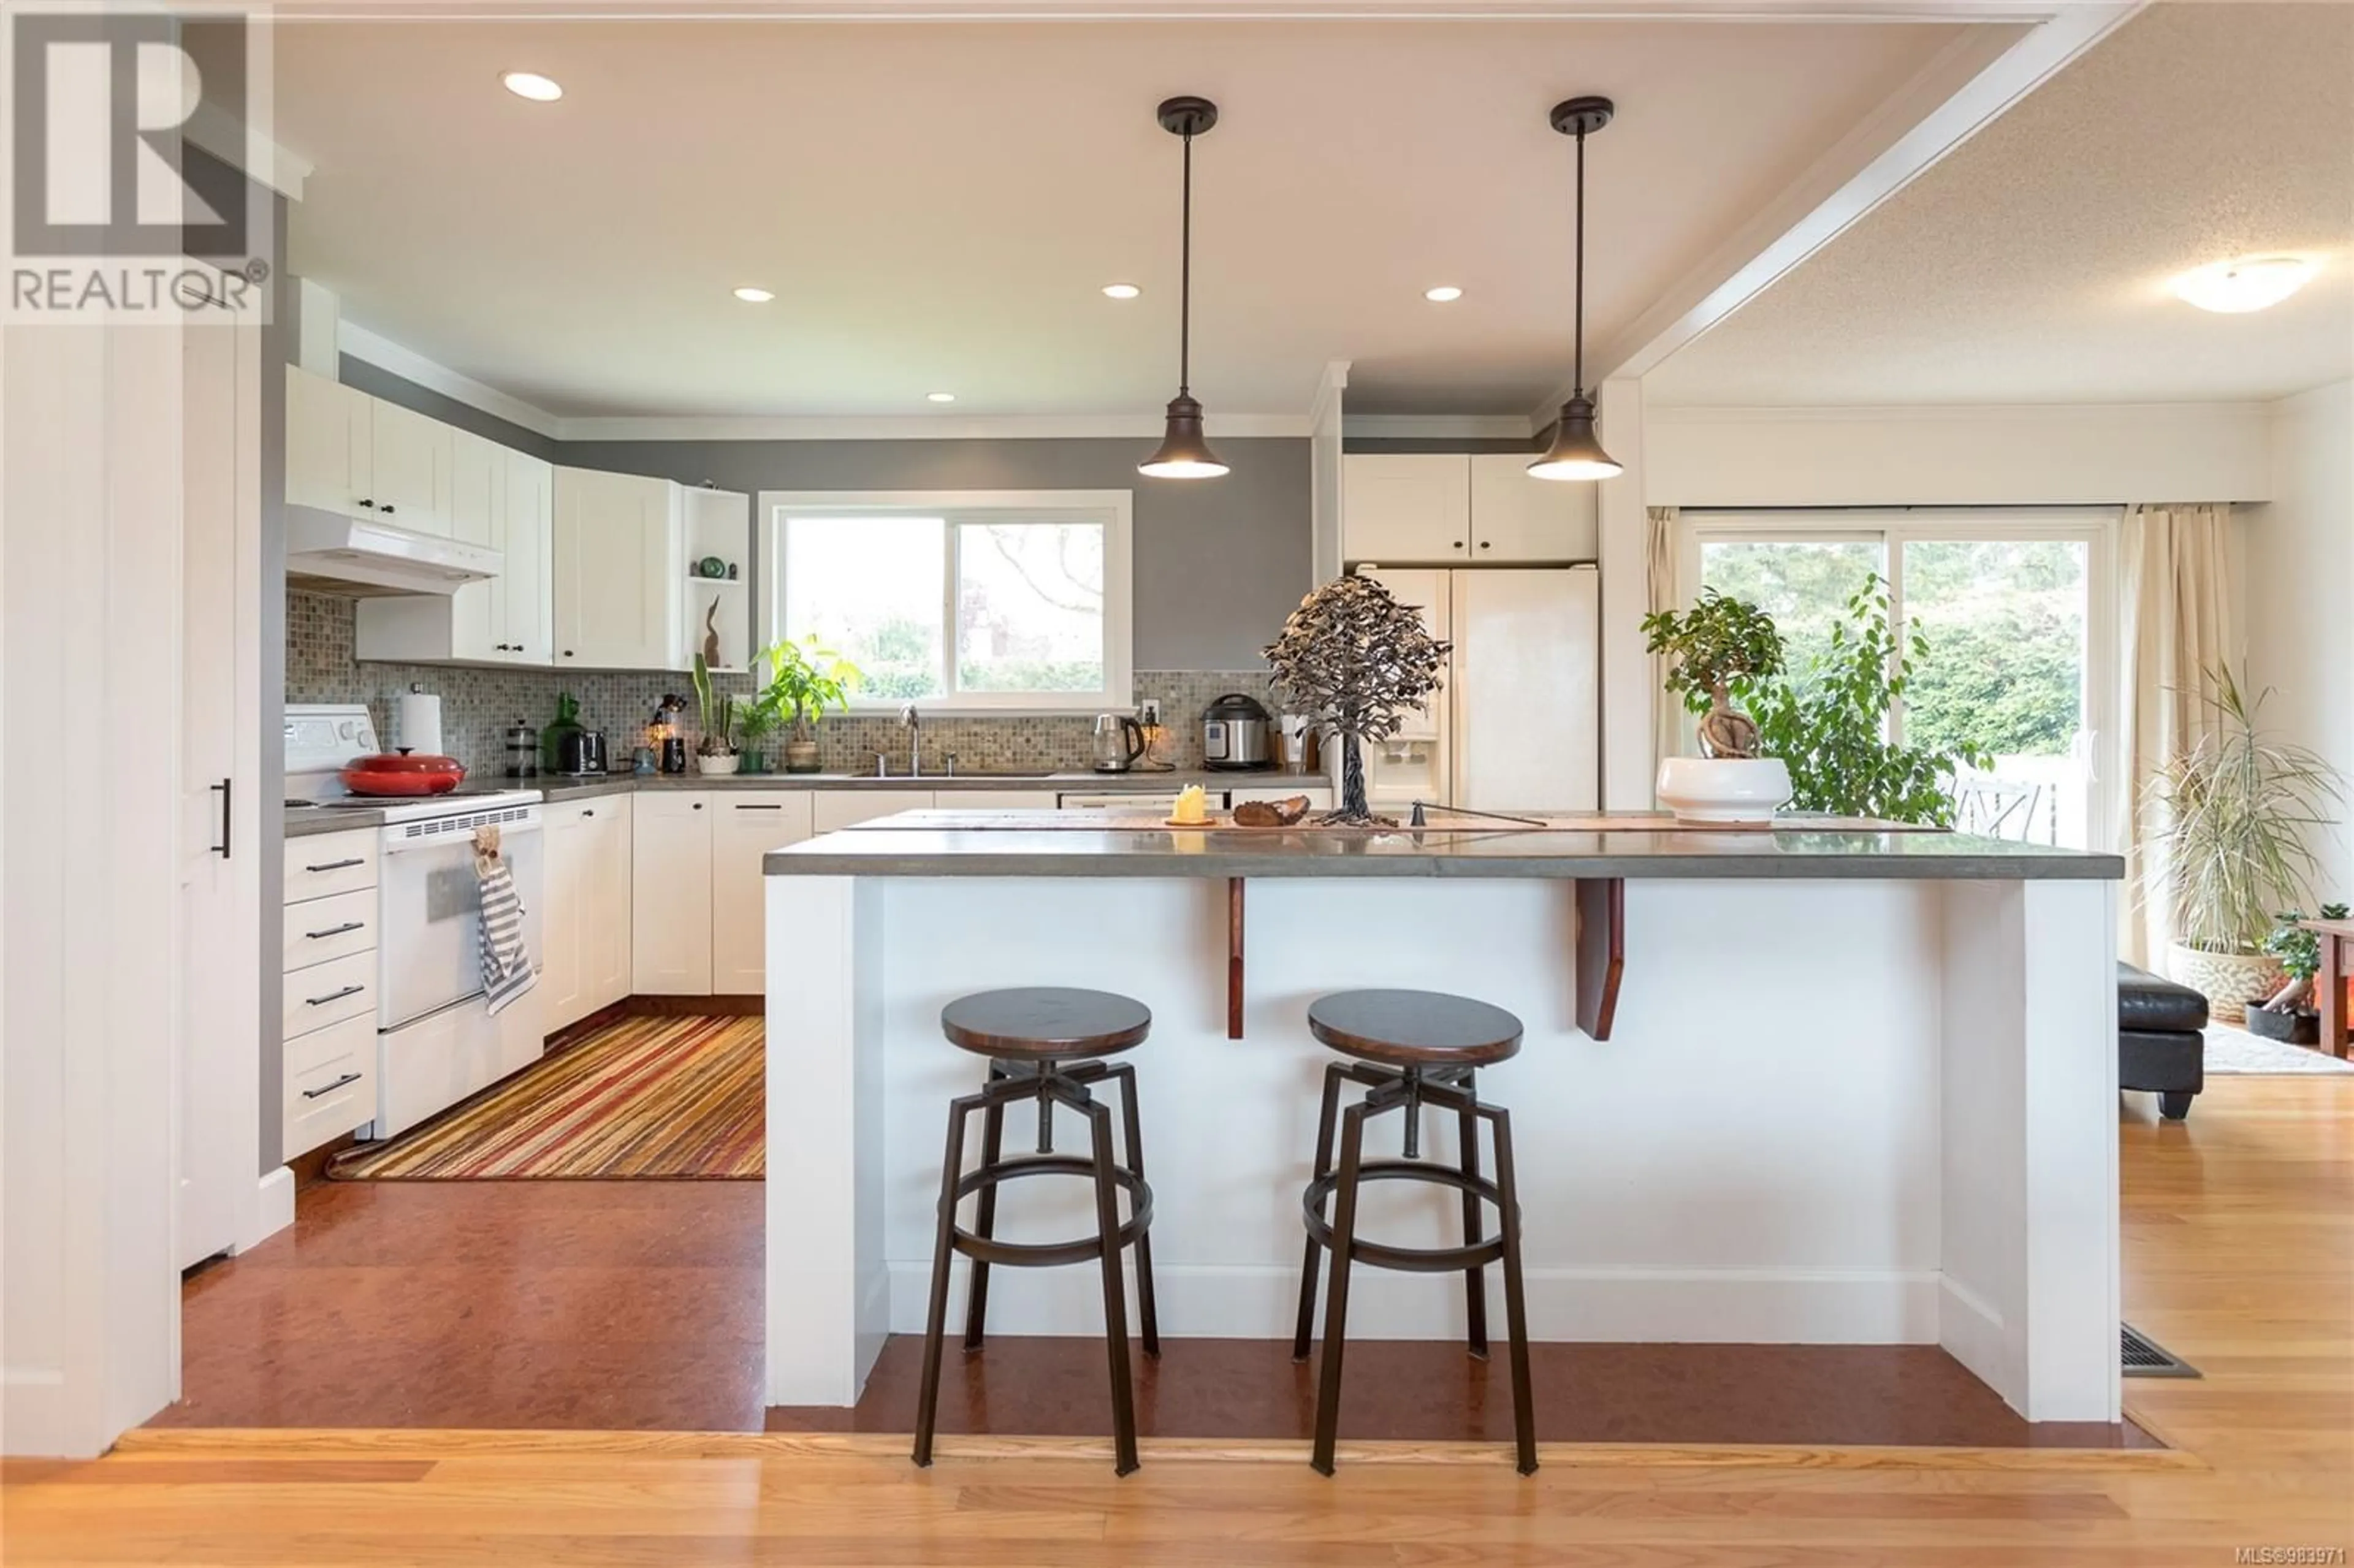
(1574,452)
(1185,453)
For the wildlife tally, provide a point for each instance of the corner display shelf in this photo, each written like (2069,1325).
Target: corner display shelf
(719,523)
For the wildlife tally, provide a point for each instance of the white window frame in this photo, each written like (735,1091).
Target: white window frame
(1113,510)
(1894,527)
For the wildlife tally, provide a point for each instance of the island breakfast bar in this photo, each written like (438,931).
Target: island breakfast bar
(1850,1085)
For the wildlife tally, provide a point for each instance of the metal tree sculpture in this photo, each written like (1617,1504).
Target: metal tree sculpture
(1357,661)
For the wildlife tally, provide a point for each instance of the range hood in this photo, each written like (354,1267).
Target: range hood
(362,556)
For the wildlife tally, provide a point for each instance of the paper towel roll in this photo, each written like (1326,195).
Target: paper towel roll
(420,722)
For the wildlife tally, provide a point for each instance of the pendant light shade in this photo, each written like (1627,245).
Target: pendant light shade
(1184,453)
(1576,453)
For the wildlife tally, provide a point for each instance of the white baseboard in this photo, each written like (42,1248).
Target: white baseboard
(1730,1306)
(273,1209)
(1971,1330)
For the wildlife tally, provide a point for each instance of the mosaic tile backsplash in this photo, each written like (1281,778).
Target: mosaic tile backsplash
(477,706)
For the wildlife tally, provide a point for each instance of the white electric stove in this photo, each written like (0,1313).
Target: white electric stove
(436,1041)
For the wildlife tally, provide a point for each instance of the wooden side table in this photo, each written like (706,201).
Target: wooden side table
(2337,937)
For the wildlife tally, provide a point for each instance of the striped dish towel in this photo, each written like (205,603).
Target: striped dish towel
(506,966)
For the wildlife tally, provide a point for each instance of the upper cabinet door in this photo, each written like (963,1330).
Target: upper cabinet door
(409,484)
(477,628)
(1515,517)
(1398,507)
(328,438)
(527,510)
(619,557)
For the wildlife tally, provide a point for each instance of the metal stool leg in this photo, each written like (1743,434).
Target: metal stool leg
(1336,1305)
(1475,1280)
(1324,1128)
(927,1401)
(1123,1394)
(1516,1311)
(1147,1313)
(993,1143)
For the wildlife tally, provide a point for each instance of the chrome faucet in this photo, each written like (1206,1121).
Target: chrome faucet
(914,722)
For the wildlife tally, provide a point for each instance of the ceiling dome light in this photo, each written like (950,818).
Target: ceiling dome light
(1576,452)
(2249,283)
(532,85)
(752,296)
(940,396)
(1445,294)
(1185,451)
(1122,291)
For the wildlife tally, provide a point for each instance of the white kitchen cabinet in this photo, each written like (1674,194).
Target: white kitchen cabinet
(409,473)
(1406,507)
(1519,518)
(619,557)
(526,541)
(746,825)
(329,433)
(585,928)
(837,809)
(503,499)
(670,884)
(997,799)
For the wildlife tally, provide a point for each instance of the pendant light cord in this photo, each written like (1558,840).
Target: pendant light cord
(1577,370)
(1185,282)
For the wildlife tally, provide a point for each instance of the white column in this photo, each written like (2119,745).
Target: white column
(1626,694)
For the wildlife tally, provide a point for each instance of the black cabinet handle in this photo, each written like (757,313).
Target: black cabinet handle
(1485,546)
(698,805)
(567,652)
(339,864)
(331,1089)
(221,849)
(335,930)
(588,810)
(1458,545)
(388,509)
(335,996)
(366,502)
(758,806)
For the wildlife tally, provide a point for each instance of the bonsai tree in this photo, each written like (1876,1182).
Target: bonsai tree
(803,682)
(715,712)
(1357,661)
(1717,642)
(1832,734)
(2299,952)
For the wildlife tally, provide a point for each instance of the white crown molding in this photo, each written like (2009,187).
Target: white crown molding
(386,354)
(915,428)
(1444,426)
(1691,414)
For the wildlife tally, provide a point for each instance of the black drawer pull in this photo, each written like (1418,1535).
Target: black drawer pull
(588,810)
(331,1089)
(339,864)
(756,806)
(335,996)
(335,930)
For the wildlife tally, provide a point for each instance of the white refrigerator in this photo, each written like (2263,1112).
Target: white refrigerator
(1516,724)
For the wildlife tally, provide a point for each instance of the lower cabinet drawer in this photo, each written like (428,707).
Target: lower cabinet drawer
(330,1077)
(329,993)
(320,929)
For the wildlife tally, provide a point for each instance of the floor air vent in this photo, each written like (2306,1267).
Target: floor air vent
(2144,1356)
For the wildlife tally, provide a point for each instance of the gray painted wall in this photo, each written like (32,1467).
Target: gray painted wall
(384,384)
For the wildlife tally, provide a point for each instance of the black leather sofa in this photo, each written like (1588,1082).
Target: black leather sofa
(2159,1043)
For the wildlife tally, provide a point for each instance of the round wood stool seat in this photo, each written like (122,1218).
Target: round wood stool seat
(1415,1028)
(1045,1023)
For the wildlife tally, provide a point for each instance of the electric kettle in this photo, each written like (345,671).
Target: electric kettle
(1120,741)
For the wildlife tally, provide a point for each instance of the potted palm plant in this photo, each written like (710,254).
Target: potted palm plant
(716,713)
(805,680)
(1717,643)
(2234,809)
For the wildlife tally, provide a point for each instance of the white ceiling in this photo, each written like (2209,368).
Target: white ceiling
(2031,265)
(936,206)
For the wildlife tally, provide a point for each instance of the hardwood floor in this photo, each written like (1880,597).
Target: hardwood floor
(2240,1256)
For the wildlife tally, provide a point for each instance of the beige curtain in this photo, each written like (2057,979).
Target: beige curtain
(2174,626)
(1660,571)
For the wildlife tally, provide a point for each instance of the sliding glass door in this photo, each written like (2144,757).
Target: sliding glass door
(2017,611)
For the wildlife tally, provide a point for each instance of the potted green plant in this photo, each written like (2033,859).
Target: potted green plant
(754,722)
(805,680)
(1718,643)
(2288,1013)
(715,715)
(2233,810)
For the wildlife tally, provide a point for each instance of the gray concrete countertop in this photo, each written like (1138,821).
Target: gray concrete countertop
(917,843)
(302,822)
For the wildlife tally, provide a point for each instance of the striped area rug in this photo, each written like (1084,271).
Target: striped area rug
(646,1098)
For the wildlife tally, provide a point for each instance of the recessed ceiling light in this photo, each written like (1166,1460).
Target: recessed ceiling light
(754,296)
(2249,283)
(940,397)
(532,85)
(1122,291)
(1446,293)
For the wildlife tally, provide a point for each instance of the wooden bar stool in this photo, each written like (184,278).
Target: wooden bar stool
(1412,1048)
(1043,1042)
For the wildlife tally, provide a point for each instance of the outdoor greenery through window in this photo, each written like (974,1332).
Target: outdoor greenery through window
(961,607)
(2009,672)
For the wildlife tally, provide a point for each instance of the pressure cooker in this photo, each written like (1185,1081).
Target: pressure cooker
(1234,732)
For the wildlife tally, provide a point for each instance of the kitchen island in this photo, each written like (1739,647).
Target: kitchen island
(1829,1083)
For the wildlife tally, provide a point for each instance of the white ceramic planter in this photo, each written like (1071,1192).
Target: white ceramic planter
(708,763)
(1723,789)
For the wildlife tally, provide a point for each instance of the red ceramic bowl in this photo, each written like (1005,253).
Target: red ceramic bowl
(404,773)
